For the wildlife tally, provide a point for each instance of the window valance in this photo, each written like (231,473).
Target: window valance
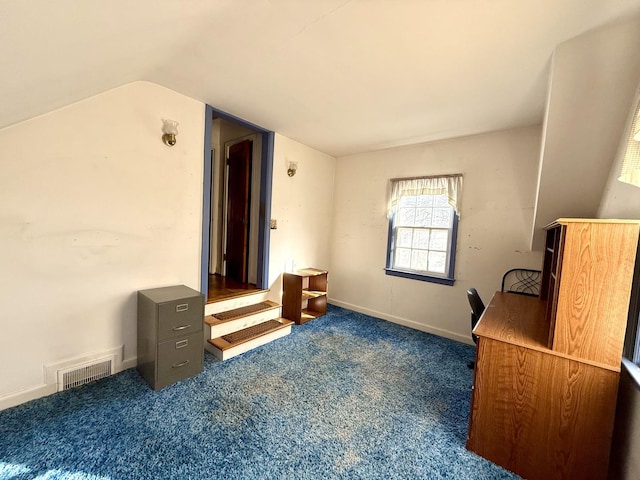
(449,185)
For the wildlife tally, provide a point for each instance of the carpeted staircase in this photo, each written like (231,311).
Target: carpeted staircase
(238,324)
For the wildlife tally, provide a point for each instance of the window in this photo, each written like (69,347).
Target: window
(423,223)
(631,153)
(632,337)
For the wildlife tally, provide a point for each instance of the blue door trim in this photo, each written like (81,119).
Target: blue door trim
(264,232)
(266,177)
(206,204)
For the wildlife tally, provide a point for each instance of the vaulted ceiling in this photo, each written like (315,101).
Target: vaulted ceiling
(341,76)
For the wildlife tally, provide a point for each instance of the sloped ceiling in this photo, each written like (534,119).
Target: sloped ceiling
(340,76)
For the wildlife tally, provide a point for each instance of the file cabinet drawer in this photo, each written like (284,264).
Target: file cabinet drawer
(181,317)
(179,359)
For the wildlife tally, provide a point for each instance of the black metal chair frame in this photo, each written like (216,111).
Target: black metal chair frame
(524,281)
(477,308)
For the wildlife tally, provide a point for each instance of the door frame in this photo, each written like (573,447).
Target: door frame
(264,211)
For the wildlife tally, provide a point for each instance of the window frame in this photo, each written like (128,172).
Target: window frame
(631,349)
(416,275)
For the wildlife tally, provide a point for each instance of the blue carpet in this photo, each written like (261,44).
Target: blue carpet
(343,396)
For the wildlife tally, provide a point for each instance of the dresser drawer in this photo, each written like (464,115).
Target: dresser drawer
(180,317)
(179,358)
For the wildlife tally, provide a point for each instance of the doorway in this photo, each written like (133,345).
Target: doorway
(236,202)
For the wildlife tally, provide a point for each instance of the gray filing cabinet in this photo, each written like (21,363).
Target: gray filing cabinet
(170,337)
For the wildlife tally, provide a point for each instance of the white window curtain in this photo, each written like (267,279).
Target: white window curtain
(631,161)
(449,185)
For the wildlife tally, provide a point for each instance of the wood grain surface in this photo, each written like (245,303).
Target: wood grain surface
(546,378)
(541,416)
(595,288)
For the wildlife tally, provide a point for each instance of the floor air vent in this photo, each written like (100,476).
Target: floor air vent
(85,373)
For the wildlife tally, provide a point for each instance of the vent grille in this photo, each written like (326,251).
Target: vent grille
(86,373)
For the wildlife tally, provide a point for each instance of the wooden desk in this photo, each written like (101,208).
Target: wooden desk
(547,368)
(537,413)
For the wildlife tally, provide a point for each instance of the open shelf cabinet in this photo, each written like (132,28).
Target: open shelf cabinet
(304,295)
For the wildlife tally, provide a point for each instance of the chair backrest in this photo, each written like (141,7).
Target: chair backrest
(477,306)
(523,281)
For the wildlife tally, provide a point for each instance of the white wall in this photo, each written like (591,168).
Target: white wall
(302,206)
(494,231)
(93,207)
(593,78)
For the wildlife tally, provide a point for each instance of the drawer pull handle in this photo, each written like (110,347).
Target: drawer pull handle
(182,344)
(181,364)
(182,307)
(181,327)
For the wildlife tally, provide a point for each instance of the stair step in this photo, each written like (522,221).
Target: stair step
(244,340)
(236,313)
(240,318)
(241,336)
(237,301)
(221,297)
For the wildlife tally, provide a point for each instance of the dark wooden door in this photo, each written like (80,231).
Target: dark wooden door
(239,175)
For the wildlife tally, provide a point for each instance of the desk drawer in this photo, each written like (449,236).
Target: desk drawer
(180,317)
(179,358)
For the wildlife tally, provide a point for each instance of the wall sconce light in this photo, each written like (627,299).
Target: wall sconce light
(169,132)
(293,168)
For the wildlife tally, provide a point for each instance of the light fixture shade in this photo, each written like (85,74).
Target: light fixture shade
(292,169)
(169,130)
(170,127)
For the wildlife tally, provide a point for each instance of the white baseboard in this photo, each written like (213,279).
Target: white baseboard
(16,398)
(404,321)
(23,396)
(128,363)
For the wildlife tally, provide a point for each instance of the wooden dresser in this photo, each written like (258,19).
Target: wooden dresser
(547,368)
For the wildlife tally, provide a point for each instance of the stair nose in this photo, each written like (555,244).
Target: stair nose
(240,312)
(241,341)
(238,301)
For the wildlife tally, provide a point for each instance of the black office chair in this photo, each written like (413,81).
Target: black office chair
(477,308)
(523,281)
